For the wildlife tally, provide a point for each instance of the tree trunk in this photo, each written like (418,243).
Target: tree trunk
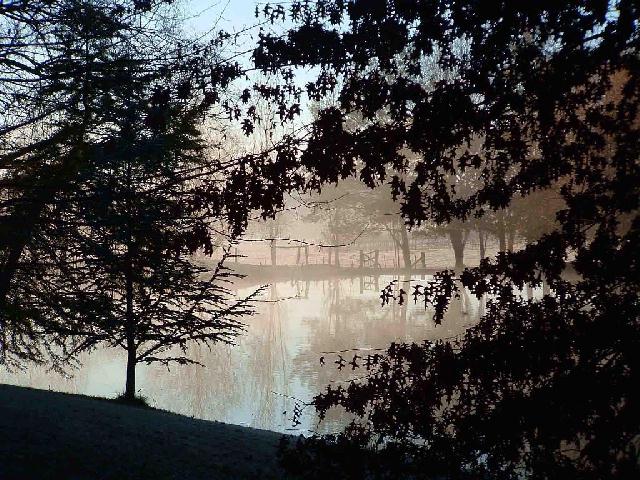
(457,242)
(130,389)
(529,292)
(130,330)
(510,239)
(502,238)
(396,257)
(483,247)
(405,246)
(130,327)
(336,256)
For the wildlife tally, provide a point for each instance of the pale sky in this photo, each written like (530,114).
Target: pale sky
(227,14)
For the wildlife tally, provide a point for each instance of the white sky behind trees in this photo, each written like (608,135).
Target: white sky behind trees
(204,18)
(228,14)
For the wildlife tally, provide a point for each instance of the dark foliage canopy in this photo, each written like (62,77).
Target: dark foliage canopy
(108,185)
(526,96)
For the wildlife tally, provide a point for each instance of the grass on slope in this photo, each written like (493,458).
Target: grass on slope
(51,435)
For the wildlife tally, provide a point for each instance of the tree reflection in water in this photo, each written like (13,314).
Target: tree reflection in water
(255,382)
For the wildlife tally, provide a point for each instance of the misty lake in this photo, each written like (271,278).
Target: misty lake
(276,363)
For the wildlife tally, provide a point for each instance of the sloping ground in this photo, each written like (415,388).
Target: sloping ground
(50,435)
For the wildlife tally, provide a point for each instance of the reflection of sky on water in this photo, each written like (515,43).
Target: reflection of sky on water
(254,383)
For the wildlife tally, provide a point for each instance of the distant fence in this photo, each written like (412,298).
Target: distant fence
(300,256)
(425,253)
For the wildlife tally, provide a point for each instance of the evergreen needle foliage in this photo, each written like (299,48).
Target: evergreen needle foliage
(108,188)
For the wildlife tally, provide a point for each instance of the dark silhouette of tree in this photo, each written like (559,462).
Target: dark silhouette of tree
(101,212)
(57,64)
(131,283)
(538,388)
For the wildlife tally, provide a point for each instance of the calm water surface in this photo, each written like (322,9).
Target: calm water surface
(275,364)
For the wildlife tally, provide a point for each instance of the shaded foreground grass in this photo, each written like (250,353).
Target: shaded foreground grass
(50,435)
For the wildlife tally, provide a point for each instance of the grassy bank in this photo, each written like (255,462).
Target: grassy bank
(50,435)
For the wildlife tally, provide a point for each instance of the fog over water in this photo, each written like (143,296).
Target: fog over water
(276,363)
(318,301)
